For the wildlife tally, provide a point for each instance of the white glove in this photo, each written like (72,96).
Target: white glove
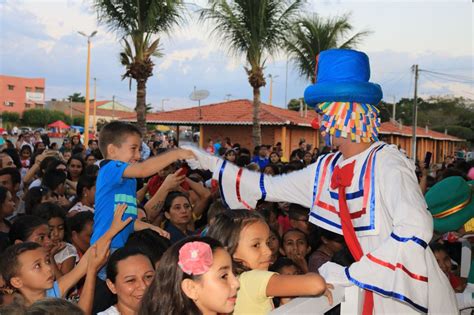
(203,160)
(334,274)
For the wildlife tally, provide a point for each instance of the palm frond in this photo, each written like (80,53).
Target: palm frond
(311,34)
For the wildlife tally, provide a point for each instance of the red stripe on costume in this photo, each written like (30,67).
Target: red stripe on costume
(237,189)
(398,265)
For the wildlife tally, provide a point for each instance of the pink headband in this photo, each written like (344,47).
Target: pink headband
(195,258)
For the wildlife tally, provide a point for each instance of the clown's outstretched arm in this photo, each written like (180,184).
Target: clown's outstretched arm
(241,188)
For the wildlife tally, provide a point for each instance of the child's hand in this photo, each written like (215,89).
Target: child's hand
(117,223)
(97,257)
(327,293)
(184,154)
(56,248)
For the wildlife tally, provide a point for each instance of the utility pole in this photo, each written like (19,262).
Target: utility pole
(394,109)
(271,87)
(113,107)
(86,112)
(414,115)
(95,106)
(163,103)
(286,82)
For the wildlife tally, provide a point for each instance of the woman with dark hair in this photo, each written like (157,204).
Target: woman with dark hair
(129,273)
(179,212)
(75,168)
(193,286)
(80,231)
(85,196)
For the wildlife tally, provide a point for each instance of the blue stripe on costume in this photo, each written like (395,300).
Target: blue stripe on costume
(262,187)
(221,172)
(394,295)
(415,239)
(320,218)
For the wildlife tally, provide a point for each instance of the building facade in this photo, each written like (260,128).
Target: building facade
(18,94)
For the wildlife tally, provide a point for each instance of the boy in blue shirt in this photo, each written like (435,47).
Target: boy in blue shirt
(116,184)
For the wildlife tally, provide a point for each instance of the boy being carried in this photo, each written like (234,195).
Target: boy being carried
(116,184)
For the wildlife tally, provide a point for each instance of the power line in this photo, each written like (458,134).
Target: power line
(455,76)
(447,79)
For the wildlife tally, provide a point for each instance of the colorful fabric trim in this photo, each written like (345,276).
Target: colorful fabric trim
(357,121)
(417,240)
(366,179)
(262,187)
(394,267)
(394,295)
(221,190)
(237,190)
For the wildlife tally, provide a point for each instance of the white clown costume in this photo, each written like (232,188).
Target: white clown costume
(387,211)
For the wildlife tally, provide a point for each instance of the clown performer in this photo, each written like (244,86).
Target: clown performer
(368,192)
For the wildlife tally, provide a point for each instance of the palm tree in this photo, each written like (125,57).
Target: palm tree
(139,22)
(312,34)
(255,29)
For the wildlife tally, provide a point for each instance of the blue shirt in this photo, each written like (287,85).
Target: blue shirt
(113,189)
(54,292)
(175,233)
(262,162)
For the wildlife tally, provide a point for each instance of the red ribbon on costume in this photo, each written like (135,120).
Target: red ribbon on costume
(342,178)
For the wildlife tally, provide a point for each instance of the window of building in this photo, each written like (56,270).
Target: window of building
(37,105)
(28,89)
(27,105)
(9,104)
(11,87)
(39,89)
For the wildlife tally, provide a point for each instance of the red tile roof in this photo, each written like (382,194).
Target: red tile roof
(394,128)
(106,112)
(236,112)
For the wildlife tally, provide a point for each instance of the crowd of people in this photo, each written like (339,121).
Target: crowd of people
(124,226)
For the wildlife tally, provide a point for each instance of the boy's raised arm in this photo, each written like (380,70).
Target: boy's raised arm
(70,279)
(155,164)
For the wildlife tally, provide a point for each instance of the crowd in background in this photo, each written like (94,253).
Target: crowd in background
(47,202)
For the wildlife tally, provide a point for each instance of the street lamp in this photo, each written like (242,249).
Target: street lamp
(86,112)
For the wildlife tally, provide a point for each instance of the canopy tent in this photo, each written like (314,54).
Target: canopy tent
(59,124)
(78,128)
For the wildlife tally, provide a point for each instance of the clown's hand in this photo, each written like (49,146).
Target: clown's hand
(203,160)
(335,274)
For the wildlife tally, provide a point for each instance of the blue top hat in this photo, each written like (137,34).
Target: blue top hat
(342,75)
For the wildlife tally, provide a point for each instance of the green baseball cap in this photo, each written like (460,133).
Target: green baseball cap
(451,203)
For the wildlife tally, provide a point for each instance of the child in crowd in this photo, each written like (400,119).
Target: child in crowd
(195,277)
(120,144)
(80,231)
(150,243)
(295,246)
(129,273)
(65,254)
(245,234)
(331,243)
(284,266)
(445,264)
(274,244)
(26,266)
(85,195)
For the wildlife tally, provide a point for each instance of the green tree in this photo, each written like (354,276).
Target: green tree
(312,34)
(10,117)
(256,30)
(295,104)
(139,22)
(76,97)
(39,117)
(78,121)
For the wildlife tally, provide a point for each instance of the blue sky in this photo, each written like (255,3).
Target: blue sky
(39,39)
